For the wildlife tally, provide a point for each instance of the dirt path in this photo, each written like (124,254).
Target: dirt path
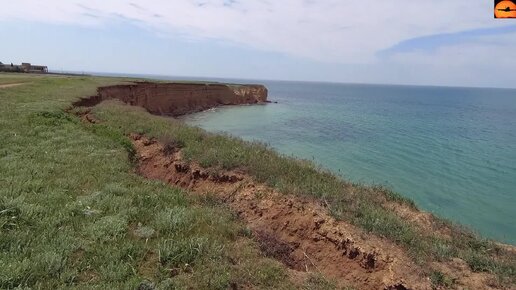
(4,86)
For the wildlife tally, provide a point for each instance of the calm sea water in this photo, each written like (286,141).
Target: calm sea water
(452,150)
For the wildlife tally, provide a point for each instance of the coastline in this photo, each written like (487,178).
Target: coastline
(252,94)
(402,207)
(387,136)
(381,215)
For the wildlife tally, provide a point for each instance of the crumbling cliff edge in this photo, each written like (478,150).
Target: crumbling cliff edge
(175,99)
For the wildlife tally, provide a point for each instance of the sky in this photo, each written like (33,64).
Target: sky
(418,42)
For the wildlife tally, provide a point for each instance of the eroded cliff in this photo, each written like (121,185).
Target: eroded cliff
(175,99)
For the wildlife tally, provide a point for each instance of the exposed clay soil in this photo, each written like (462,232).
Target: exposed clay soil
(299,232)
(175,99)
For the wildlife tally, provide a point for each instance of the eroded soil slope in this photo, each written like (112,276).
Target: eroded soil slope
(175,99)
(299,232)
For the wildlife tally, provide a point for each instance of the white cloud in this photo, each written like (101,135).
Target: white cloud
(480,63)
(342,36)
(343,31)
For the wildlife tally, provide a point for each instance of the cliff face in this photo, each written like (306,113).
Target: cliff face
(176,99)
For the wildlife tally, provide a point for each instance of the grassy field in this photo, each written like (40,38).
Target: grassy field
(73,214)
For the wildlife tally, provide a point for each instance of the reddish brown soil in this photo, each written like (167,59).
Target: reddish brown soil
(298,232)
(176,99)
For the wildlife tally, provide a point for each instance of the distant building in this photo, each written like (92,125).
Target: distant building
(24,67)
(27,67)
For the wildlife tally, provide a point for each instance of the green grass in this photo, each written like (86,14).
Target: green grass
(73,215)
(439,279)
(9,78)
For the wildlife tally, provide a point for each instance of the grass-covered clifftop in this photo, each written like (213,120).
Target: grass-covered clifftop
(74,214)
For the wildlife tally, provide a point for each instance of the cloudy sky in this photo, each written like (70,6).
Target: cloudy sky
(438,42)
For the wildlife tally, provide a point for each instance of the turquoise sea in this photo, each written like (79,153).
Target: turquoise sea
(451,150)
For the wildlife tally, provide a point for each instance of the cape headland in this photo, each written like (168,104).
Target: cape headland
(175,99)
